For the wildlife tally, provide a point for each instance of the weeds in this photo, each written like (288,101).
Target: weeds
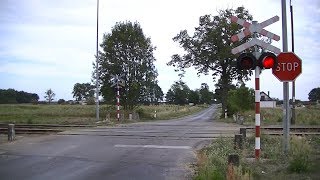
(273,163)
(299,158)
(84,114)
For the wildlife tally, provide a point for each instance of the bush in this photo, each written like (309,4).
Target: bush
(299,158)
(61,101)
(240,99)
(91,101)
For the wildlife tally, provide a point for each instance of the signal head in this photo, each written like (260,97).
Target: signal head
(246,61)
(268,60)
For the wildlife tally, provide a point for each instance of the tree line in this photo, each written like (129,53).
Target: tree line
(11,96)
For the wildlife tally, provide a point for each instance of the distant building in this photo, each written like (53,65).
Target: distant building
(266,101)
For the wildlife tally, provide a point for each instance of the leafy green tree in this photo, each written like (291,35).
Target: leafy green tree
(240,99)
(127,51)
(9,96)
(206,96)
(61,101)
(314,94)
(178,93)
(83,91)
(194,96)
(49,95)
(152,94)
(209,49)
(170,97)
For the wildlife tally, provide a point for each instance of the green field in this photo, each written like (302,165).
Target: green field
(309,115)
(84,114)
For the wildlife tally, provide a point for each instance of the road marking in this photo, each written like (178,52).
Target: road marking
(2,152)
(151,146)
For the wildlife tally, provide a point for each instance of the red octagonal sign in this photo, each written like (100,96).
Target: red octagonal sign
(289,67)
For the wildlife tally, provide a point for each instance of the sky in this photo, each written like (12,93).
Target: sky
(51,44)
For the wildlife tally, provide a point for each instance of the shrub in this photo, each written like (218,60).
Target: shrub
(299,158)
(91,101)
(61,101)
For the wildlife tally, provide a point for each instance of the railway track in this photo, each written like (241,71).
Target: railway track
(294,130)
(55,128)
(40,128)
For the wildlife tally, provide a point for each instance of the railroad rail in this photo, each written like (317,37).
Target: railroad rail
(294,130)
(40,128)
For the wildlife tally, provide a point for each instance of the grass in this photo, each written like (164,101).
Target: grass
(83,114)
(302,162)
(309,115)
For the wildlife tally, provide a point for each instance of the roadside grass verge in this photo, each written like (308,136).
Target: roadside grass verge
(309,115)
(165,112)
(85,114)
(302,162)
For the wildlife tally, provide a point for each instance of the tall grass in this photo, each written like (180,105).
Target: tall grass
(84,114)
(300,163)
(308,115)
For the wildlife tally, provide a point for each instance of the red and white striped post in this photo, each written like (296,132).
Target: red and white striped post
(257,110)
(118,102)
(254,28)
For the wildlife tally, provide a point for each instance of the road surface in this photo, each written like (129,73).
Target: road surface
(144,151)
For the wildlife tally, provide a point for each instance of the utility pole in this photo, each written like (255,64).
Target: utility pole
(286,117)
(97,66)
(293,118)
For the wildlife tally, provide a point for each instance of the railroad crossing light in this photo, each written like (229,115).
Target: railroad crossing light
(268,60)
(246,61)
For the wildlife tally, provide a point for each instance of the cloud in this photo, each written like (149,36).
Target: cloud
(56,40)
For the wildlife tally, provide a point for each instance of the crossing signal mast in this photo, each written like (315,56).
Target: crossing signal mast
(256,61)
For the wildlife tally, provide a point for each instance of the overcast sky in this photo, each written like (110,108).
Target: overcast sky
(51,44)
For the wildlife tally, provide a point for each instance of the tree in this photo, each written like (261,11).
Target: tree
(127,51)
(49,95)
(153,95)
(170,97)
(240,99)
(61,101)
(209,49)
(194,96)
(206,96)
(8,96)
(178,93)
(83,91)
(314,94)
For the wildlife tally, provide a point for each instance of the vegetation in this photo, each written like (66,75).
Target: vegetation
(240,100)
(83,91)
(49,95)
(301,163)
(127,52)
(84,114)
(12,96)
(181,94)
(208,50)
(314,94)
(308,115)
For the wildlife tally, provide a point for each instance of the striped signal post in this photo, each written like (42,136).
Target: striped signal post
(253,29)
(257,112)
(118,101)
(118,82)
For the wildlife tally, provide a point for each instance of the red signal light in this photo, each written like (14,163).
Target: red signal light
(268,60)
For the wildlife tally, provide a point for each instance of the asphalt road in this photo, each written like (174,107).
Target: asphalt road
(150,150)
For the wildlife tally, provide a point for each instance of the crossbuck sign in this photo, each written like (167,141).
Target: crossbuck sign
(254,28)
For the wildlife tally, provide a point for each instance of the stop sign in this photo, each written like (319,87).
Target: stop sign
(289,67)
